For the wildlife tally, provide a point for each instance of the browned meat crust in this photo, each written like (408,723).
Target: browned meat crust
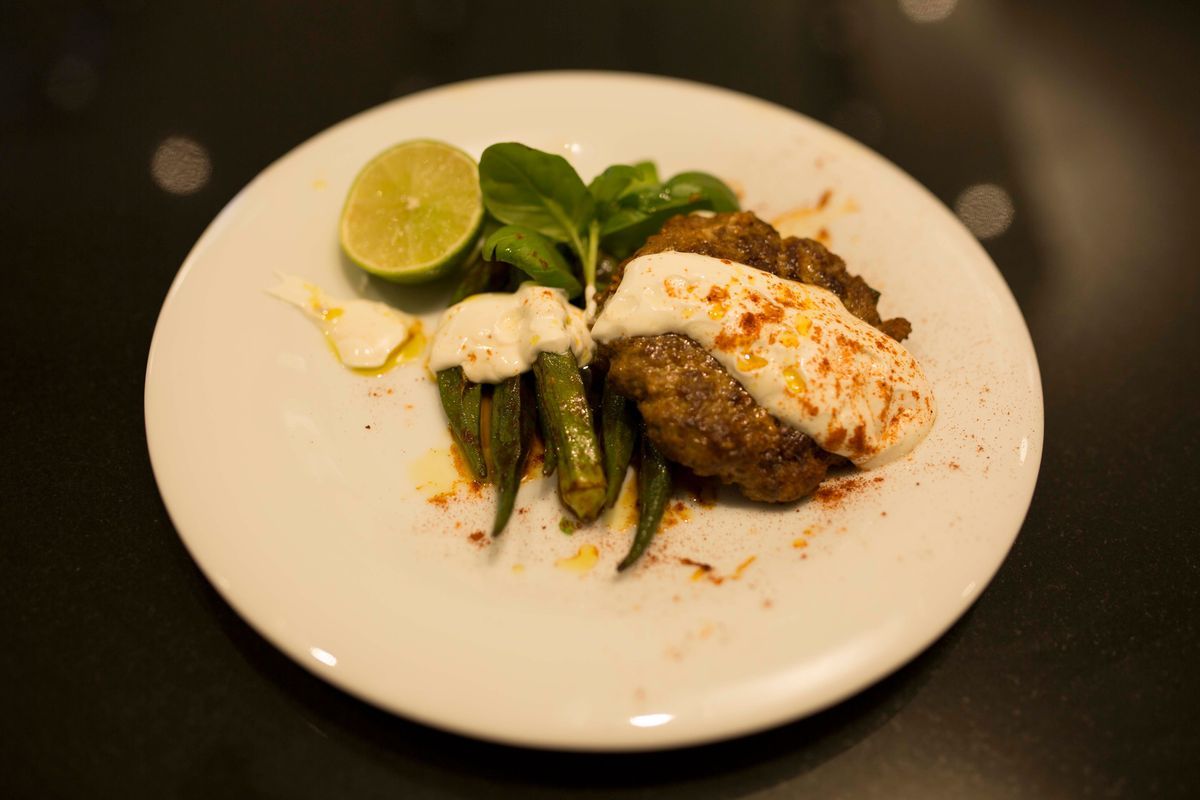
(808,261)
(743,237)
(701,417)
(696,413)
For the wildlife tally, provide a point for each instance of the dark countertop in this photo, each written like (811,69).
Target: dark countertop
(1073,675)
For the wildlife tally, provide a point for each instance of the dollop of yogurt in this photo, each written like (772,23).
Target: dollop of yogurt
(794,347)
(363,333)
(494,336)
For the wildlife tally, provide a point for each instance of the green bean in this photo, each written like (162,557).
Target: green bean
(569,420)
(461,400)
(617,435)
(550,457)
(654,492)
(512,431)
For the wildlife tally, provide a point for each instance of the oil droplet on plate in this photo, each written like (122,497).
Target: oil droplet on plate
(583,561)
(737,573)
(441,470)
(748,362)
(409,351)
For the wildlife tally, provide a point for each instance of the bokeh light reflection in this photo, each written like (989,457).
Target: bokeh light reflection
(927,10)
(180,165)
(986,210)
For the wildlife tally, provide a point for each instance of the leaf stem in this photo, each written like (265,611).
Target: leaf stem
(593,251)
(589,268)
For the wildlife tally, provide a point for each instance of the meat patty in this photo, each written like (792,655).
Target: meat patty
(695,412)
(702,418)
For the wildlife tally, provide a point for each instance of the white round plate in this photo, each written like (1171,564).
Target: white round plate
(303,489)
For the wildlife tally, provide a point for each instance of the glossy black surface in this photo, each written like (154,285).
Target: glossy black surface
(122,673)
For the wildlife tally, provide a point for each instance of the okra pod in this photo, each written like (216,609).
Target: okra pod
(654,492)
(462,400)
(550,457)
(617,434)
(569,420)
(511,433)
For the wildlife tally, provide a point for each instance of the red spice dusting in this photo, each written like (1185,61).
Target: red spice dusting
(390,391)
(477,536)
(717,294)
(767,603)
(846,343)
(676,513)
(954,465)
(825,197)
(835,438)
(834,493)
(706,571)
(460,465)
(858,442)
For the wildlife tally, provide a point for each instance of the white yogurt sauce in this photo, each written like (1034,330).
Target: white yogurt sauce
(794,347)
(363,333)
(494,336)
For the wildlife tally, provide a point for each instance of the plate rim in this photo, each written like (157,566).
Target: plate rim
(668,736)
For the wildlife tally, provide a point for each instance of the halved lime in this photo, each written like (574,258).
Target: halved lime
(413,212)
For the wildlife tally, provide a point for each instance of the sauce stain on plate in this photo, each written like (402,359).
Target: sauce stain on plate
(582,562)
(440,474)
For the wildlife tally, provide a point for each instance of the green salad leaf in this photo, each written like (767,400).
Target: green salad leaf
(533,254)
(537,190)
(641,207)
(618,181)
